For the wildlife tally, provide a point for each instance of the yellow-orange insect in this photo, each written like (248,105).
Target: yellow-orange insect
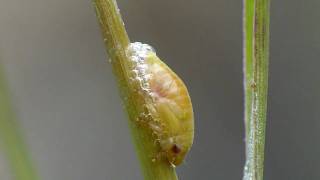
(168,102)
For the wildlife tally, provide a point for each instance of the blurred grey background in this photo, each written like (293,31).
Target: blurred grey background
(69,109)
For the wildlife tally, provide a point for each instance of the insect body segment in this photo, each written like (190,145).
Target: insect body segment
(168,102)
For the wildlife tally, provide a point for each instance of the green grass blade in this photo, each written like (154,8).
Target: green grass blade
(12,142)
(116,40)
(256,60)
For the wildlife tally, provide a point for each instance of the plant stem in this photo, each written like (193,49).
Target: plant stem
(117,41)
(256,60)
(11,139)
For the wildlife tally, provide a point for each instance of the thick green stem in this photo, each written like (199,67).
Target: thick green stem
(116,40)
(12,142)
(256,60)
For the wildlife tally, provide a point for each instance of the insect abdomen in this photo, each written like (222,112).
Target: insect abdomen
(174,109)
(168,102)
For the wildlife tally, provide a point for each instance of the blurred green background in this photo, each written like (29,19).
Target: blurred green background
(68,106)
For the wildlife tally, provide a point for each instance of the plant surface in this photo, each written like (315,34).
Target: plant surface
(255,62)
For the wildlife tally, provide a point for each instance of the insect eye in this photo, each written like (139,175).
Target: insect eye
(175,149)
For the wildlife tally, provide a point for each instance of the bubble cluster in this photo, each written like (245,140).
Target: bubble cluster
(138,53)
(139,49)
